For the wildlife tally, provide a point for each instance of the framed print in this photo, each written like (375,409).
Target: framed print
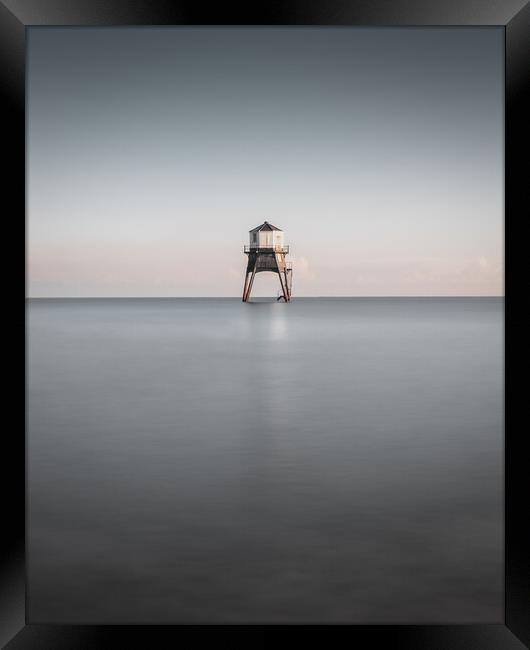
(267,347)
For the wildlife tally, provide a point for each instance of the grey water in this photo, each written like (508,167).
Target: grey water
(205,460)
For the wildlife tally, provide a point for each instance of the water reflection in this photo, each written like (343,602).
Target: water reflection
(265,321)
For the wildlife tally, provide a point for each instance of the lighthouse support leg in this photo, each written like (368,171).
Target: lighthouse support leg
(284,287)
(249,288)
(286,282)
(245,287)
(280,269)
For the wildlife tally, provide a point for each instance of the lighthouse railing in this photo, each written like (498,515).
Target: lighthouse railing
(248,248)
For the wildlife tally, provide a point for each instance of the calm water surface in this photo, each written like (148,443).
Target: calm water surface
(203,460)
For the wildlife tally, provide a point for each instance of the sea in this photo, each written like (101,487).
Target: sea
(329,460)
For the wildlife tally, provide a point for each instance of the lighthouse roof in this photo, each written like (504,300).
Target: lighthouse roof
(264,226)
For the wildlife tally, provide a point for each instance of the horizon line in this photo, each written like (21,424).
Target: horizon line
(256,298)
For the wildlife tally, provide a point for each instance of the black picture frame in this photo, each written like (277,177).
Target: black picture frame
(514,16)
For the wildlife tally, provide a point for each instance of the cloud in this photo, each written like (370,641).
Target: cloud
(302,268)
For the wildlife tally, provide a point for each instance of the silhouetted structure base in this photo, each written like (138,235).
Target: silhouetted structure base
(260,260)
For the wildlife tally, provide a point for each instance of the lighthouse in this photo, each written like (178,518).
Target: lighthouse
(266,252)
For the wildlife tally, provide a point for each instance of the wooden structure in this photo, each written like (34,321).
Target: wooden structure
(266,252)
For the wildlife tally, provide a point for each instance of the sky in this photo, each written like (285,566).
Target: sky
(151,152)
